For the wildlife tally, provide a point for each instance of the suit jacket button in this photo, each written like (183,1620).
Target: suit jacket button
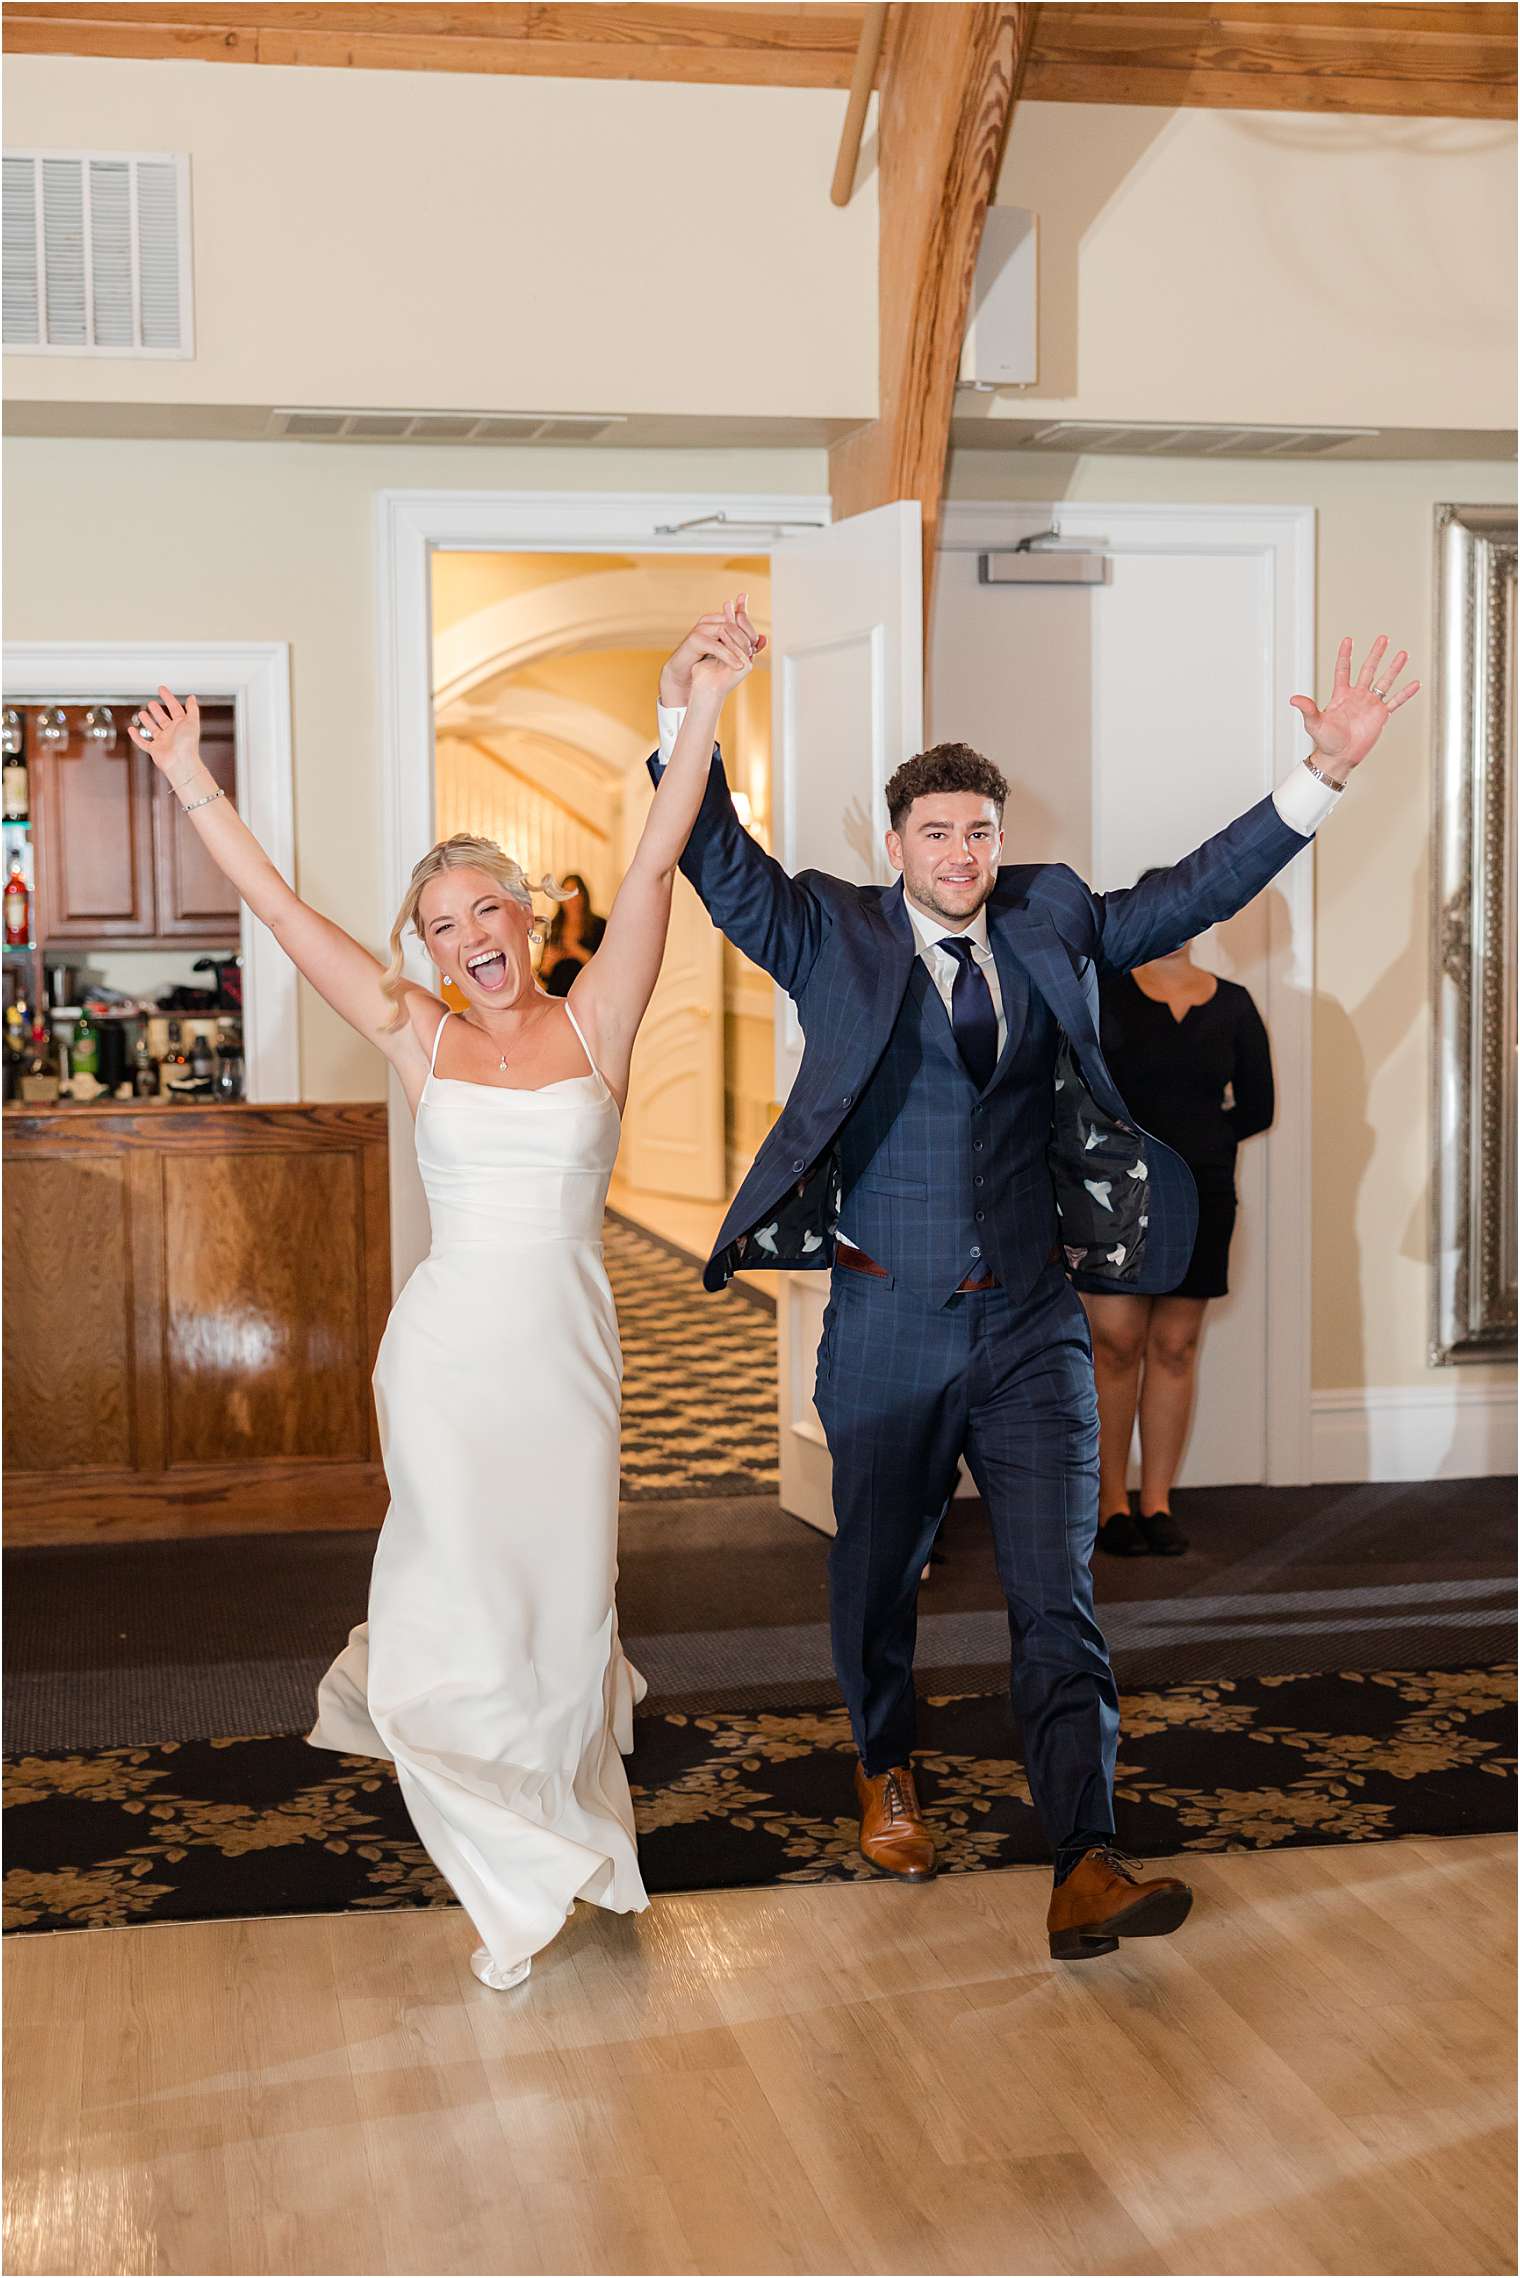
(847,1100)
(799,1166)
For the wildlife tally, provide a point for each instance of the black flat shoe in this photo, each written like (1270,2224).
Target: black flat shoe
(1162,1534)
(1121,1537)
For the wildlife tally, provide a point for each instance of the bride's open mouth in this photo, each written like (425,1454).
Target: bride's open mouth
(488,971)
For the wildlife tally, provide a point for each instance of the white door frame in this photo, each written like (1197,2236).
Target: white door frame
(256,675)
(1283,538)
(410,526)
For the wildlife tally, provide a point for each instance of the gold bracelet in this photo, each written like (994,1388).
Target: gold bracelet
(190,805)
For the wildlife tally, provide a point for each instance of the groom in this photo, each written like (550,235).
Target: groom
(954,1148)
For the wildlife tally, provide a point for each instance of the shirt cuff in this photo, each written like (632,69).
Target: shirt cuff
(1303,801)
(670,717)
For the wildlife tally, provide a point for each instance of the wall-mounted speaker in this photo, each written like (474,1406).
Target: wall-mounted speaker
(1001,344)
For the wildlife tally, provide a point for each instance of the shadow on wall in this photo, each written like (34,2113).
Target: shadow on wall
(1131,135)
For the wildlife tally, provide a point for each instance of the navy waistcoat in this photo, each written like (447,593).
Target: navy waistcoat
(940,1182)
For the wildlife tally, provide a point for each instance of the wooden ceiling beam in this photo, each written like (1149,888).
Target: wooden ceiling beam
(771,46)
(1454,60)
(950,81)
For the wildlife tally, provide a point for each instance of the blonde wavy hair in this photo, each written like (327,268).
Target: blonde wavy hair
(461,852)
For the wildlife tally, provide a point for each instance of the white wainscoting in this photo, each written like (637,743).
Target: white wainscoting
(1413,1431)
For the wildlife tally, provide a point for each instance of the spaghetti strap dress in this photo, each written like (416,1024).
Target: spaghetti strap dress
(490,1670)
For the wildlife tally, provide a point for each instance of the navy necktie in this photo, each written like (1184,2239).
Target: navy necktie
(972,1014)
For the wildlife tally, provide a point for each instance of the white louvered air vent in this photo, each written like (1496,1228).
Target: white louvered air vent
(443,426)
(97,254)
(1142,440)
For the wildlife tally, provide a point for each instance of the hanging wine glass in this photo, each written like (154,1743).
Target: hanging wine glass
(100,726)
(12,740)
(52,725)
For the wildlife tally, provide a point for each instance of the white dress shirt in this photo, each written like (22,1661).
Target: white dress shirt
(943,969)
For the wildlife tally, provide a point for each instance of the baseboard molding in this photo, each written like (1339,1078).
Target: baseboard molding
(1413,1431)
(271,1497)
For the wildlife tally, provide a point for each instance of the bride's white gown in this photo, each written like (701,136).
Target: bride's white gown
(489,1670)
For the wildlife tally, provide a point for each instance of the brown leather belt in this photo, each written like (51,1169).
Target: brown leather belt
(856,1261)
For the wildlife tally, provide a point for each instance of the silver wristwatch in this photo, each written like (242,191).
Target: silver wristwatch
(1320,776)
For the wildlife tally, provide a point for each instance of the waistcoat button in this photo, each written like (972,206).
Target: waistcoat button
(848,1099)
(981,1214)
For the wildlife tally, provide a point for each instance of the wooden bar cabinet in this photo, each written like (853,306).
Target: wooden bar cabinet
(193,1302)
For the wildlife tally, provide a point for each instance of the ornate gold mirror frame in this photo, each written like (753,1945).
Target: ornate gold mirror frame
(1473,1232)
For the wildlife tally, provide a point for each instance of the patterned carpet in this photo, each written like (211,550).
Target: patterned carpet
(211,1829)
(1259,1705)
(699,1374)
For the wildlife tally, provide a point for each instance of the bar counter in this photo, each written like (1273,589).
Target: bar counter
(193,1298)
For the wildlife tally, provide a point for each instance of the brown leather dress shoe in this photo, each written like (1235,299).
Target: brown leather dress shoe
(892,1831)
(1103,1900)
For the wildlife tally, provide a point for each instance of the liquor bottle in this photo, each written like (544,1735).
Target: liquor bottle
(17,802)
(175,1064)
(15,1047)
(229,1073)
(39,1078)
(202,1062)
(84,1059)
(18,905)
(144,1068)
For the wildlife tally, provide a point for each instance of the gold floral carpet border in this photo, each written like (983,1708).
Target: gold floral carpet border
(210,1829)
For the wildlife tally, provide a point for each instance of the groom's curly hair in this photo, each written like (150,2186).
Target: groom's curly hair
(943,767)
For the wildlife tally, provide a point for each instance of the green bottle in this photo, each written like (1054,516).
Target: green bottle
(84,1059)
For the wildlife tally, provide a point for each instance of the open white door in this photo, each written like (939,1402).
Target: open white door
(847,695)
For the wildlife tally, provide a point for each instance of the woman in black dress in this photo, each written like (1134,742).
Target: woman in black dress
(575,932)
(1190,1057)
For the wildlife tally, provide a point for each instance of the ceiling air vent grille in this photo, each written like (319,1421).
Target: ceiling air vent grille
(97,254)
(1142,440)
(443,426)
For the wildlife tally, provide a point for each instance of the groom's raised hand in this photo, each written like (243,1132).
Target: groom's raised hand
(726,634)
(1356,715)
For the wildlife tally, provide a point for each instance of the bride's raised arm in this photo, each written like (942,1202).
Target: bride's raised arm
(338,967)
(613,988)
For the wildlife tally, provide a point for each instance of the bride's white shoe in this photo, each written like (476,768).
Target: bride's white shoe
(492,1974)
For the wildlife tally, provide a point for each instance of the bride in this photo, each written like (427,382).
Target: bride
(490,1670)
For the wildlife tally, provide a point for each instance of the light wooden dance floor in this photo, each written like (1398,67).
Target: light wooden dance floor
(1316,2075)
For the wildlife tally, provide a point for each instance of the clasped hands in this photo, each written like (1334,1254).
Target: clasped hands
(718,652)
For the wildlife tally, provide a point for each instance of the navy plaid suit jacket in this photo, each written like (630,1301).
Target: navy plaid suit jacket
(844,954)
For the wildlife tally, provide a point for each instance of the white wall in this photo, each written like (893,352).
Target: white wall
(374,238)
(212,541)
(1268,266)
(1372,1141)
